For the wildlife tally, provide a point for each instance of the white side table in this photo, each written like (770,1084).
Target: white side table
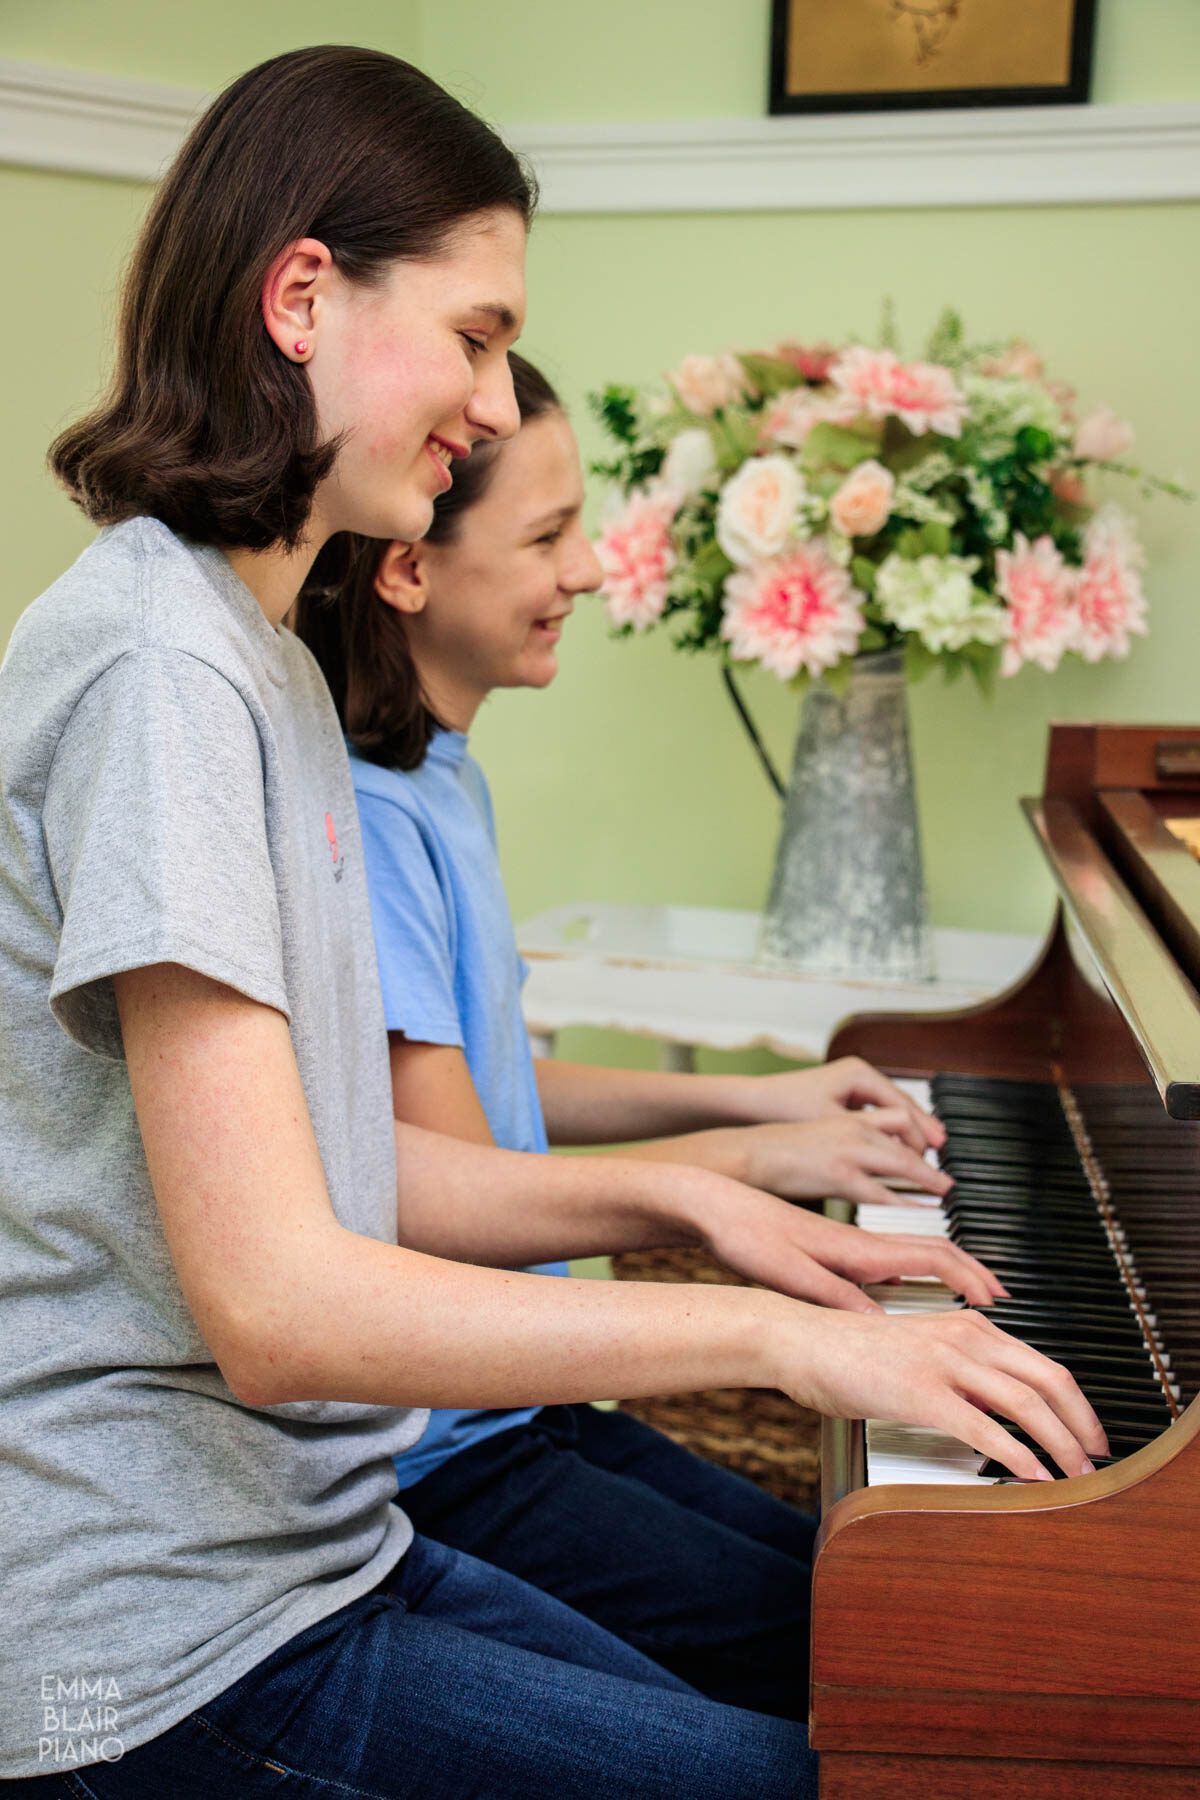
(687,975)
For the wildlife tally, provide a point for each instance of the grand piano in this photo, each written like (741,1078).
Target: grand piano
(972,1635)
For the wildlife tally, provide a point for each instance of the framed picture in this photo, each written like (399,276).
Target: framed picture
(879,55)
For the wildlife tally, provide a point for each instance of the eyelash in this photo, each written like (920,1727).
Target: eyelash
(476,345)
(551,537)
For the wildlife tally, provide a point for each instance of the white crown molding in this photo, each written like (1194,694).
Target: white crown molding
(96,125)
(85,124)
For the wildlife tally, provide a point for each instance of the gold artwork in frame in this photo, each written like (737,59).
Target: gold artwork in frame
(878,55)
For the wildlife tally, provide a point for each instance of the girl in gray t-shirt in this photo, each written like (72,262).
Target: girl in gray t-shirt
(214,1343)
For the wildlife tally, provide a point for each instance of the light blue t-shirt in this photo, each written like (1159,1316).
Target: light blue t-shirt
(450,973)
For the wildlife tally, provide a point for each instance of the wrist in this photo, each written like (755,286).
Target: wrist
(734,1099)
(769,1349)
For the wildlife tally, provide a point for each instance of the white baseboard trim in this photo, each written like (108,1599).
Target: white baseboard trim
(70,120)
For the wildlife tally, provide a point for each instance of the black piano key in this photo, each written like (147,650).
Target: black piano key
(1023,1203)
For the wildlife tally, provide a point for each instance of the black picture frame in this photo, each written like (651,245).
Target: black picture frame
(1074,92)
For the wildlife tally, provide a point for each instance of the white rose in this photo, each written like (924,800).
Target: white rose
(691,463)
(758,507)
(705,383)
(934,597)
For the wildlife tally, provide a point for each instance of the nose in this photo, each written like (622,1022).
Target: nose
(583,574)
(492,408)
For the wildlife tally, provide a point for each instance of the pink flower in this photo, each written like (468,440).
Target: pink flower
(1067,486)
(924,395)
(1109,601)
(704,384)
(1019,359)
(814,361)
(790,418)
(861,505)
(637,557)
(1102,436)
(1039,589)
(793,612)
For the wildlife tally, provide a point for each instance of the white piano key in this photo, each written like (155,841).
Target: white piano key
(910,1453)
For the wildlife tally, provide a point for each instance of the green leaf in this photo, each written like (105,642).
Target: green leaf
(1034,444)
(873,638)
(932,539)
(986,668)
(862,573)
(771,375)
(800,681)
(735,436)
(838,447)
(616,408)
(838,678)
(918,659)
(952,667)
(710,562)
(946,340)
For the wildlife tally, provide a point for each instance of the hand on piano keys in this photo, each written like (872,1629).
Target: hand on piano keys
(830,1090)
(856,1156)
(1068,1297)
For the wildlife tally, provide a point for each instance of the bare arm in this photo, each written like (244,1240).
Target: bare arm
(493,1206)
(584,1104)
(294,1306)
(848,1144)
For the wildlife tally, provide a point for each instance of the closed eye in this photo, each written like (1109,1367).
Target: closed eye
(477,344)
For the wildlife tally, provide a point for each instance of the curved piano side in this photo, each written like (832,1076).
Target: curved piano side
(1054,1627)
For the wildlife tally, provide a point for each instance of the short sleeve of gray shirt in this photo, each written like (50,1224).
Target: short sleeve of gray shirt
(157,843)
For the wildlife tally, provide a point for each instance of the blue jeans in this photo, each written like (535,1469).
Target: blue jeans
(692,1565)
(455,1681)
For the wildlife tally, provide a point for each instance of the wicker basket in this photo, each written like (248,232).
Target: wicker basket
(757,1432)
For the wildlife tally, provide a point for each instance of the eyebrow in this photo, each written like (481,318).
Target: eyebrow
(560,513)
(504,316)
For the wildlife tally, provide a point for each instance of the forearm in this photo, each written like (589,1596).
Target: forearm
(505,1208)
(587,1105)
(357,1320)
(726,1150)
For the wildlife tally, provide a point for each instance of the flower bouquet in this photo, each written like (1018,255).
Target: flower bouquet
(843,513)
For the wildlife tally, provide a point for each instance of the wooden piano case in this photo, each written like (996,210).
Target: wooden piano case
(1041,1643)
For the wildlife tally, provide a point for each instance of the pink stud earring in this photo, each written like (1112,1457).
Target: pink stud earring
(302,347)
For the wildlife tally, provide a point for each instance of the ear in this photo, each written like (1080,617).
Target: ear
(294,295)
(401,579)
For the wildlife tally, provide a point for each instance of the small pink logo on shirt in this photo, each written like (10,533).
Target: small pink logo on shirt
(339,862)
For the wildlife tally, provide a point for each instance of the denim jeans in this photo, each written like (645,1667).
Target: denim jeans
(690,1564)
(455,1681)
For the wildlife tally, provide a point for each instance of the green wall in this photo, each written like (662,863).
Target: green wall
(629,780)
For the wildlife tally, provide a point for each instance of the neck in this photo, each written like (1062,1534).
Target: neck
(449,700)
(274,576)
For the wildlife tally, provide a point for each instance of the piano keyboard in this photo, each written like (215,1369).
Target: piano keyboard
(1024,1204)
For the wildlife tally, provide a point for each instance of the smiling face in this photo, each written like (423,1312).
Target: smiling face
(413,370)
(491,605)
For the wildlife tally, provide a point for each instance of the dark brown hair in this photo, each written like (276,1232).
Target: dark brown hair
(206,426)
(360,642)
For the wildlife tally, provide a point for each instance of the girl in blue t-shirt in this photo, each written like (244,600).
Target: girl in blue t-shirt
(688,1562)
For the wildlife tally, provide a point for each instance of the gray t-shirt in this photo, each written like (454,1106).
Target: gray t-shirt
(173,788)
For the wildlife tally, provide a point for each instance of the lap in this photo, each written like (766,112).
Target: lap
(643,1537)
(409,1693)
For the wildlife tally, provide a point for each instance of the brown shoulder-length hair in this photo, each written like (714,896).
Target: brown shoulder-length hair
(361,643)
(206,426)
